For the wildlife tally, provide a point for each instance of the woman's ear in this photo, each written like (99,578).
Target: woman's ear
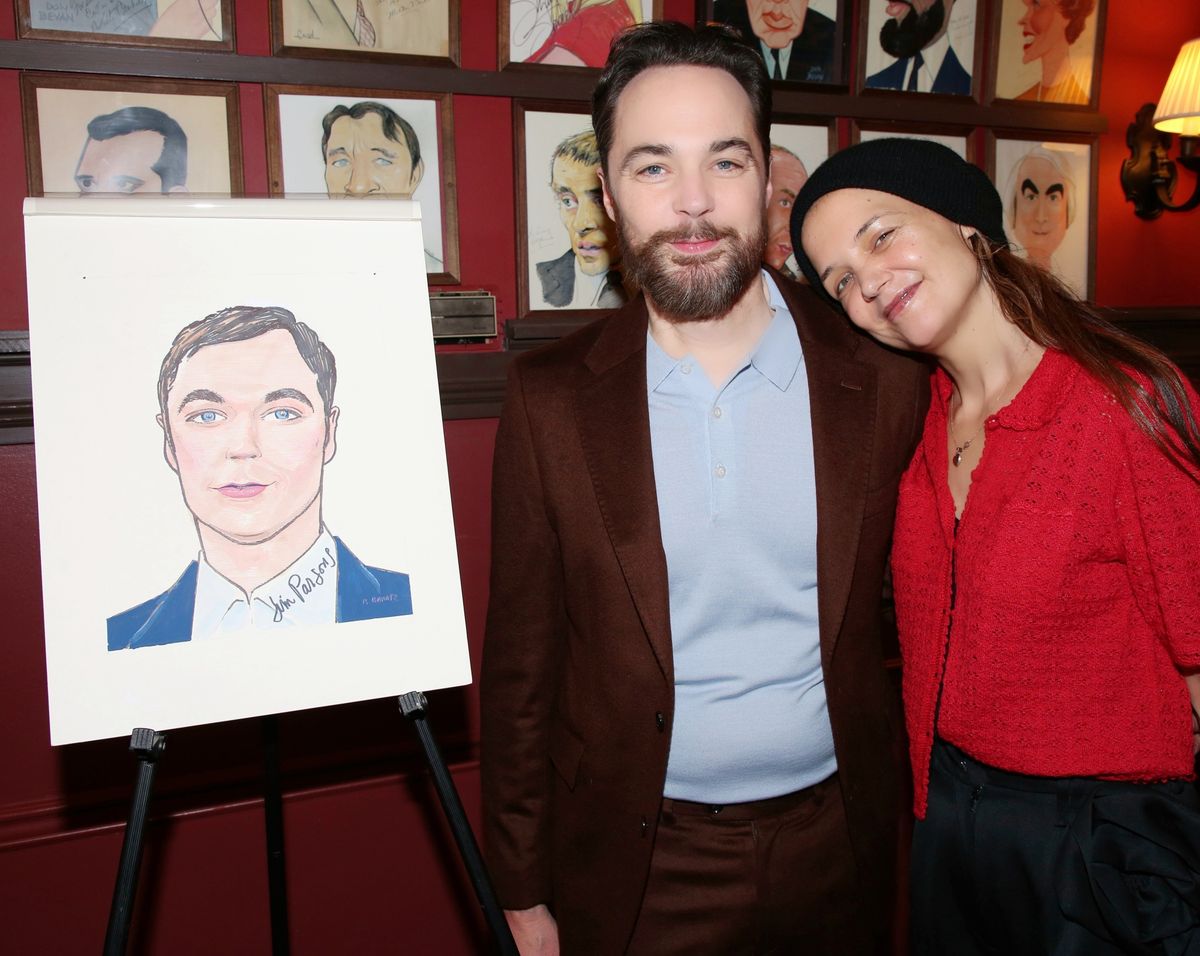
(968,232)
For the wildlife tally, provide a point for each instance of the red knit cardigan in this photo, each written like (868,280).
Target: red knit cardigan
(1077,586)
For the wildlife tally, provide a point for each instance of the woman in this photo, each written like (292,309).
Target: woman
(1047,590)
(1048,29)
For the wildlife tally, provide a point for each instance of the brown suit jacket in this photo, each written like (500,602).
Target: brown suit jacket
(577,684)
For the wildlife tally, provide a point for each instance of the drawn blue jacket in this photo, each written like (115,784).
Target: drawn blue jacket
(951,77)
(363,593)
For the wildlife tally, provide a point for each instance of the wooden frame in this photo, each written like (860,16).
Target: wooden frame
(937,132)
(428,113)
(823,28)
(1019,69)
(533,19)
(180,21)
(1071,163)
(881,72)
(297,29)
(210,172)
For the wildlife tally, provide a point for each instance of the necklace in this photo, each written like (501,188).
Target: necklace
(960,447)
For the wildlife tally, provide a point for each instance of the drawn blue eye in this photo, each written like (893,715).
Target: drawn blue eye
(283,414)
(209,416)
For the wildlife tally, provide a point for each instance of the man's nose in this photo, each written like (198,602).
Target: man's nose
(243,438)
(361,181)
(587,216)
(694,196)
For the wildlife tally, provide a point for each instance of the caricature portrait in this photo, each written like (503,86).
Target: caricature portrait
(178,19)
(787,176)
(248,421)
(370,150)
(367,26)
(927,45)
(1047,51)
(569,32)
(797,42)
(136,149)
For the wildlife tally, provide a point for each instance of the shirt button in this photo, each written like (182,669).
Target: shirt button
(717,411)
(686,369)
(660,721)
(720,471)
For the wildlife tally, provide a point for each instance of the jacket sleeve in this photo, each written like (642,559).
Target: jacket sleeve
(521,661)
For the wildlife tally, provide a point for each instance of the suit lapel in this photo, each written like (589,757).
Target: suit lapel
(612,413)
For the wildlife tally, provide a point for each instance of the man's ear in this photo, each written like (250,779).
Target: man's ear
(168,448)
(609,206)
(418,171)
(331,434)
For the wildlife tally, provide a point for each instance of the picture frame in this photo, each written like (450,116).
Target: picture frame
(955,137)
(399,31)
(805,49)
(545,34)
(565,240)
(134,120)
(172,24)
(295,118)
(1048,188)
(946,57)
(807,142)
(1051,57)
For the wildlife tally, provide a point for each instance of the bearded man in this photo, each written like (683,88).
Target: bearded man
(915,33)
(688,732)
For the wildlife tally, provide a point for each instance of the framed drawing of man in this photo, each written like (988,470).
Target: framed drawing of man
(568,251)
(801,41)
(1048,51)
(119,135)
(797,148)
(364,144)
(181,24)
(1048,189)
(920,46)
(566,32)
(399,30)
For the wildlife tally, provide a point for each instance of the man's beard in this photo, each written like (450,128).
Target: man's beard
(910,36)
(693,288)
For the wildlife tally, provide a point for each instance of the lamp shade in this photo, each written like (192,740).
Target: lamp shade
(1179,106)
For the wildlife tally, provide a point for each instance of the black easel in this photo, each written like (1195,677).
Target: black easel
(413,706)
(273,814)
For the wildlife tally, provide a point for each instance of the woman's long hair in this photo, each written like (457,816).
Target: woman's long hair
(1143,380)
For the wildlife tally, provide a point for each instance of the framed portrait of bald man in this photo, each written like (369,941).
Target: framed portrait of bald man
(363,144)
(88,135)
(394,30)
(1047,51)
(1048,188)
(566,33)
(568,250)
(921,46)
(797,148)
(178,24)
(801,41)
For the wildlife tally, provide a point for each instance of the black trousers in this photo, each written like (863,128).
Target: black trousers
(1006,864)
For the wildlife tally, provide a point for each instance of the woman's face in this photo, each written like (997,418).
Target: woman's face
(904,274)
(1043,29)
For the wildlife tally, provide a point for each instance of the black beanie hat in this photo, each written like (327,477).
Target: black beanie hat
(923,172)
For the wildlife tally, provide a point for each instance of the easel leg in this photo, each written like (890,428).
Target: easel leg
(413,706)
(148,746)
(273,813)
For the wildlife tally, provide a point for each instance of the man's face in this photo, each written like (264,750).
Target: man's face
(121,164)
(688,189)
(1040,220)
(249,436)
(913,25)
(360,161)
(787,176)
(1043,28)
(777,22)
(576,188)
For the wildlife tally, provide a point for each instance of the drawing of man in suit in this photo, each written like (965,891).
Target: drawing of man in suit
(246,408)
(137,149)
(915,34)
(688,733)
(585,276)
(796,42)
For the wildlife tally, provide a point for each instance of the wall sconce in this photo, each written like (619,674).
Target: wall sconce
(1149,176)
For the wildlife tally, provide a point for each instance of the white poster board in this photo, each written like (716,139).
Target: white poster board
(169,596)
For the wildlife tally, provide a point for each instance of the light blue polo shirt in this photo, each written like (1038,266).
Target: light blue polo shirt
(733,467)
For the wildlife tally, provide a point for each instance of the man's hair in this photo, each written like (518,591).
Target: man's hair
(1076,13)
(1063,171)
(784,149)
(395,126)
(668,43)
(237,324)
(580,147)
(171,166)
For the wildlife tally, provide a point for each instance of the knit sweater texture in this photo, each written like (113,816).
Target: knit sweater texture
(1077,590)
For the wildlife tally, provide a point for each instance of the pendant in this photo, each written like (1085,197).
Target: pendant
(957,457)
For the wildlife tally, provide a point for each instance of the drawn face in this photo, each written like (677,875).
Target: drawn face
(913,25)
(787,176)
(576,188)
(121,164)
(1043,29)
(903,273)
(777,22)
(688,189)
(1040,218)
(248,437)
(361,161)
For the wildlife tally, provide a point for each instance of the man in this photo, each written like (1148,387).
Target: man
(583,277)
(246,408)
(915,34)
(370,150)
(136,149)
(787,176)
(1040,204)
(796,43)
(687,730)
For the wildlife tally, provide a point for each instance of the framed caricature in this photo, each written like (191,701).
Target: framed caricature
(568,259)
(361,144)
(1048,189)
(801,41)
(1048,51)
(948,136)
(424,31)
(934,50)
(182,24)
(97,134)
(566,32)
(797,148)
